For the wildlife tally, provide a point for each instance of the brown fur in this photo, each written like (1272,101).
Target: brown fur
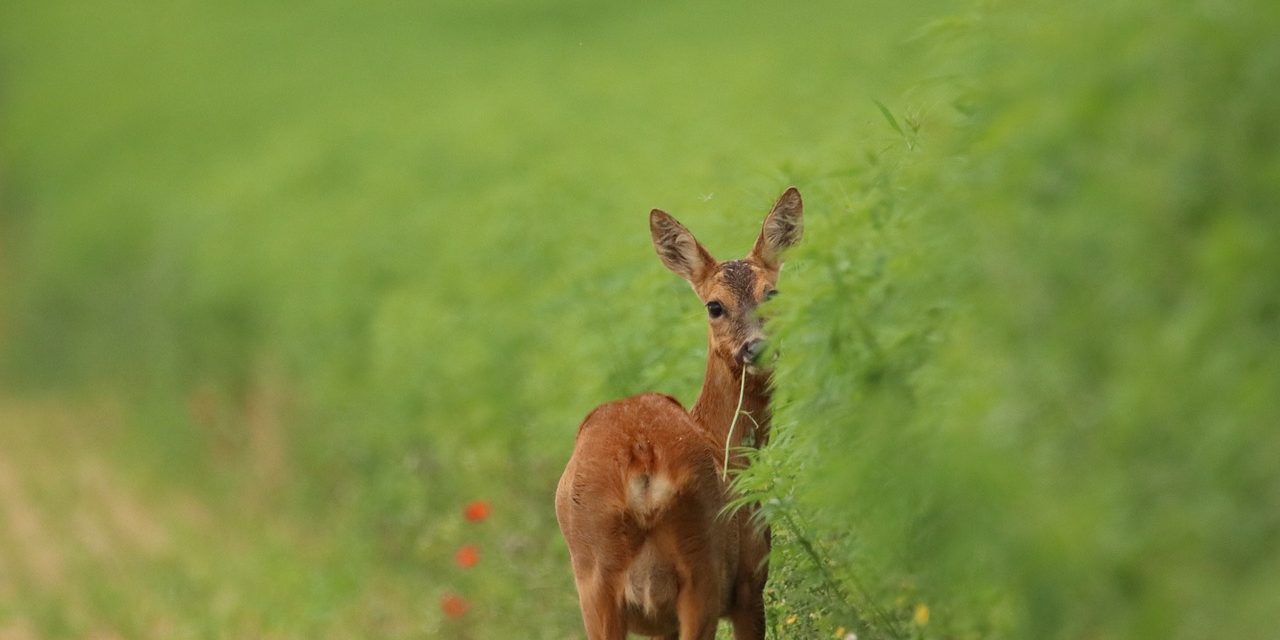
(640,500)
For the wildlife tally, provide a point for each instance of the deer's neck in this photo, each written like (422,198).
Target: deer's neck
(714,409)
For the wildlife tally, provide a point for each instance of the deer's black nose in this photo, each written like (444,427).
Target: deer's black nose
(750,351)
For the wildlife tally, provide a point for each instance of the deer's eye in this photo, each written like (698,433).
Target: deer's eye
(715,309)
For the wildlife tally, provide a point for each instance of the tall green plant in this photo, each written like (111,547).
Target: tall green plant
(1026,389)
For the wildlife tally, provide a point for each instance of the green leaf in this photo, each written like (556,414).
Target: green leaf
(888,115)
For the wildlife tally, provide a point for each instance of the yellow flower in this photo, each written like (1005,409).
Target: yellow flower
(921,615)
(791,619)
(839,632)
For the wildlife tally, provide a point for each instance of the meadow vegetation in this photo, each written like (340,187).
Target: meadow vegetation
(285,289)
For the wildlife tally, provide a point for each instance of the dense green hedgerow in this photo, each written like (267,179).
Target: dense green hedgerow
(1030,383)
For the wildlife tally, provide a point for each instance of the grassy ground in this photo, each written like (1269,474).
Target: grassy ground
(285,287)
(92,549)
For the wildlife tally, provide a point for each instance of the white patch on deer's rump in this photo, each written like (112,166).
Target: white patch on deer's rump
(647,494)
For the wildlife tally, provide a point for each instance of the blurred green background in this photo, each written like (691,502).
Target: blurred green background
(285,286)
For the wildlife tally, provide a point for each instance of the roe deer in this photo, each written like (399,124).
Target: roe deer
(640,500)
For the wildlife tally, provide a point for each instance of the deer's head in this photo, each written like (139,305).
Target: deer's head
(733,289)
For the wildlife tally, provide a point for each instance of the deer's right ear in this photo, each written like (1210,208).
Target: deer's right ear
(782,229)
(678,249)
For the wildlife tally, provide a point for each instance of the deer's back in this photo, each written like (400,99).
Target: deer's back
(639,498)
(633,456)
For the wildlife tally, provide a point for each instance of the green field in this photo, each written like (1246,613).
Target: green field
(285,286)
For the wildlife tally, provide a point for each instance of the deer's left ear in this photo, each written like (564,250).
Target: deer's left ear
(782,229)
(678,249)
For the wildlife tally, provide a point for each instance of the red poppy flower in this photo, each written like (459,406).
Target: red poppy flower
(467,556)
(477,511)
(453,605)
